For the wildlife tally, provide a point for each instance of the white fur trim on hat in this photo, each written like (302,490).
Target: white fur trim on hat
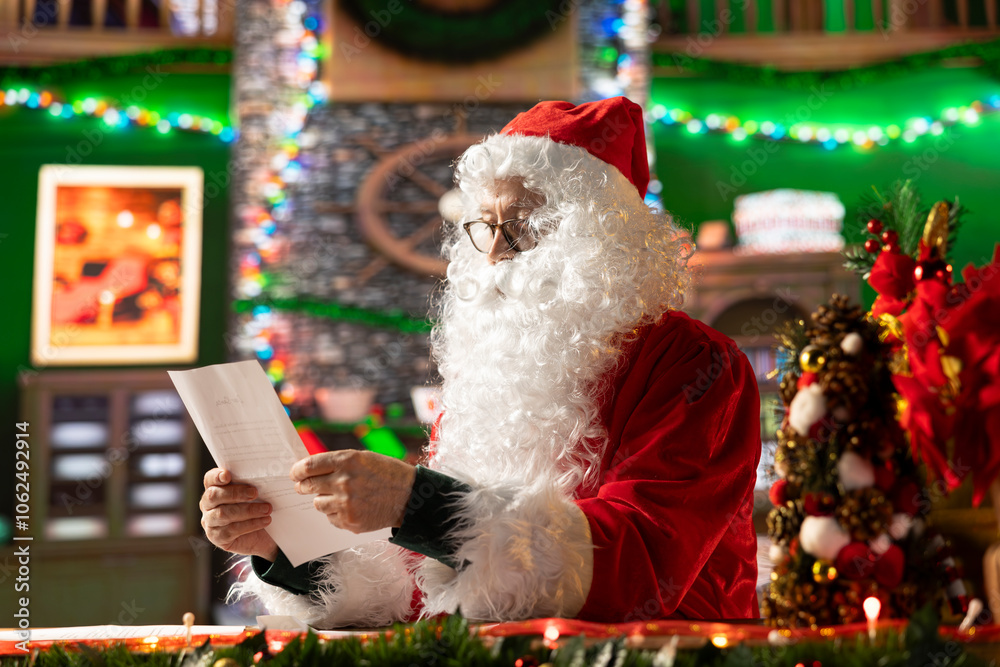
(542,163)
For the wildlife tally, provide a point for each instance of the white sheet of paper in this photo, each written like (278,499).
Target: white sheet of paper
(83,632)
(248,432)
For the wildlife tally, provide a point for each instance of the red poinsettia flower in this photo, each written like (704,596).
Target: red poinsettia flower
(927,421)
(930,308)
(974,332)
(892,275)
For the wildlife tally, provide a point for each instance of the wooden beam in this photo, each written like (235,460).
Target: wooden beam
(29,11)
(165,15)
(814,15)
(898,18)
(797,16)
(808,52)
(65,7)
(98,14)
(693,17)
(963,14)
(227,11)
(132,15)
(991,14)
(750,17)
(849,14)
(9,12)
(877,14)
(778,15)
(935,15)
(76,42)
(722,10)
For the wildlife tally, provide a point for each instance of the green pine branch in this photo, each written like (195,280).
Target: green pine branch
(899,208)
(450,641)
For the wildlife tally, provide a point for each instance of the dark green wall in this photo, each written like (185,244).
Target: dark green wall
(31,138)
(698,170)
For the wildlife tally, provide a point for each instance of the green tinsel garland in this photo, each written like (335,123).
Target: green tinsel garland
(460,37)
(334,311)
(449,642)
(987,52)
(97,68)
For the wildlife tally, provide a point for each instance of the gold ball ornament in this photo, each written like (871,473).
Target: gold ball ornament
(811,359)
(225,662)
(823,572)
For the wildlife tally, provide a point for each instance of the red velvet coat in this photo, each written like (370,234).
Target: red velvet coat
(671,521)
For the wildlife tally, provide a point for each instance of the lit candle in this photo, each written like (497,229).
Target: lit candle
(188,620)
(872,608)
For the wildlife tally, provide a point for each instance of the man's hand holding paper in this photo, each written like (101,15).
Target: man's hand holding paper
(252,439)
(233,520)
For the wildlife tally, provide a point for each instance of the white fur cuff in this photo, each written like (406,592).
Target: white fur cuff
(368,586)
(527,556)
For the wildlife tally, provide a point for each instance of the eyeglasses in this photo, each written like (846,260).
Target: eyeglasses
(517,233)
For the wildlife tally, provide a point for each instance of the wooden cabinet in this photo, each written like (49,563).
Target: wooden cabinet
(115,482)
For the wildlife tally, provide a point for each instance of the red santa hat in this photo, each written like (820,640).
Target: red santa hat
(611,130)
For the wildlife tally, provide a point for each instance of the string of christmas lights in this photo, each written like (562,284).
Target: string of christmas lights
(828,135)
(337,312)
(298,56)
(115,117)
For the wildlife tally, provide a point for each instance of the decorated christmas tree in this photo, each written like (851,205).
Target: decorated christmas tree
(872,398)
(848,521)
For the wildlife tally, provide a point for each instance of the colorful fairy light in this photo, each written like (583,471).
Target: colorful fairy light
(262,248)
(114,117)
(862,136)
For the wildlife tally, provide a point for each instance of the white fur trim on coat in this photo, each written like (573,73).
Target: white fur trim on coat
(368,586)
(525,555)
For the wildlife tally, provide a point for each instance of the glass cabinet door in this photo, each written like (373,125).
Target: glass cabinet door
(79,438)
(155,489)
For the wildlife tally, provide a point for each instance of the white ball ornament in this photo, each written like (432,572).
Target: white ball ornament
(822,537)
(777,553)
(855,471)
(880,544)
(852,344)
(899,525)
(807,407)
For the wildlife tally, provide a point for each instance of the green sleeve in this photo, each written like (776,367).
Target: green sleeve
(430,521)
(280,573)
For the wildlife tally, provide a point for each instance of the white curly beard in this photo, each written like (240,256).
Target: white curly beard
(522,375)
(526,347)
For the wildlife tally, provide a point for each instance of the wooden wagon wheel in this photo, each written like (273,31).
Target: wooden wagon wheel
(374,201)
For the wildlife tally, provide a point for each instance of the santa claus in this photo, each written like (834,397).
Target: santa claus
(597,452)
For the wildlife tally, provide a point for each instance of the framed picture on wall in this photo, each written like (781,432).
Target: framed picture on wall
(117,265)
